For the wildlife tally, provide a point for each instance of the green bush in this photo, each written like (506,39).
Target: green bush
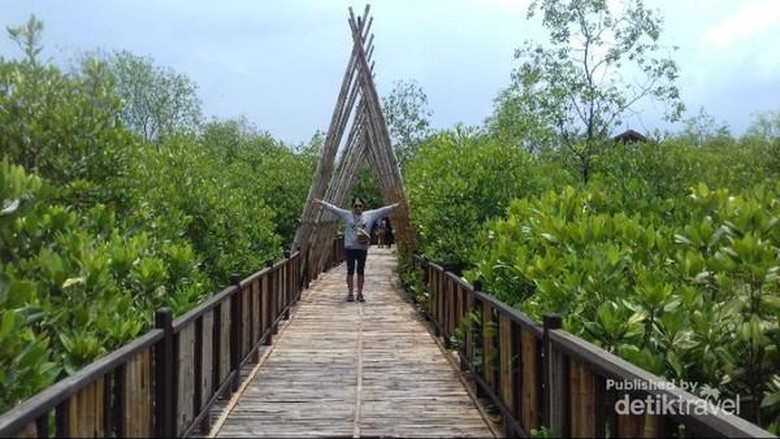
(100,228)
(458,180)
(695,300)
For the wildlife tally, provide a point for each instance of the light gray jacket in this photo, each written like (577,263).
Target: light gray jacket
(365,221)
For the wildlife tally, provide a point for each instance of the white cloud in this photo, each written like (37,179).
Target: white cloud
(750,20)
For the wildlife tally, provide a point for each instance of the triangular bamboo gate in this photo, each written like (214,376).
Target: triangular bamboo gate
(368,142)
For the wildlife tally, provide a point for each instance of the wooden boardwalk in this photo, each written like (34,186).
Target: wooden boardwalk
(351,369)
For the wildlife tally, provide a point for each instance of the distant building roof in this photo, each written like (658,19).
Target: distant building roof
(629,136)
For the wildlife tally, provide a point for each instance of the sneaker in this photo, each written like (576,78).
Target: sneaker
(360,297)
(350,297)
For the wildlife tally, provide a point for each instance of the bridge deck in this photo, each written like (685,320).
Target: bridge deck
(350,369)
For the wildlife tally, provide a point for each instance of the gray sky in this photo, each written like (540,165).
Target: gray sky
(280,63)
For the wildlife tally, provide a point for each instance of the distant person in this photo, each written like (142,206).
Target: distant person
(380,233)
(357,238)
(388,232)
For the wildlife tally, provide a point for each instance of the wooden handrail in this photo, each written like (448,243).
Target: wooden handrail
(16,419)
(195,360)
(539,375)
(712,422)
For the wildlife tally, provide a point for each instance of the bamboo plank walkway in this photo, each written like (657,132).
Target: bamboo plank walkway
(351,369)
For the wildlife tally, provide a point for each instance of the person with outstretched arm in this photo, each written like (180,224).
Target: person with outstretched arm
(357,237)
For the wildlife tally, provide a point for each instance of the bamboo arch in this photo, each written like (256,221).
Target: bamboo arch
(368,142)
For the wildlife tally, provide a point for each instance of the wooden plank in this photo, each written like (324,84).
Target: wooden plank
(207,383)
(246,338)
(470,334)
(432,305)
(280,302)
(448,307)
(186,379)
(268,302)
(644,426)
(98,400)
(350,369)
(488,346)
(137,416)
(257,310)
(224,355)
(581,394)
(587,402)
(278,293)
(85,418)
(506,378)
(130,397)
(460,299)
(601,407)
(529,355)
(29,431)
(452,302)
(652,425)
(72,409)
(559,420)
(574,398)
(627,425)
(75,408)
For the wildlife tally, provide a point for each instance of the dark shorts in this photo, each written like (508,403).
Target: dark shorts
(356,255)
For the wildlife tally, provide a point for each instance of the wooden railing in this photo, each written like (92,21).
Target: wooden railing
(541,376)
(335,256)
(164,382)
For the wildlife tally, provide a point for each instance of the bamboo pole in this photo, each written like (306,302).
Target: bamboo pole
(368,143)
(378,125)
(325,164)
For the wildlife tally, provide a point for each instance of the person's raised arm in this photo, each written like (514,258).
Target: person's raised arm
(342,213)
(382,211)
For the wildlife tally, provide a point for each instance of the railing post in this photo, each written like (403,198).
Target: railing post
(554,407)
(164,412)
(468,344)
(435,300)
(446,304)
(307,267)
(299,273)
(236,331)
(272,300)
(286,284)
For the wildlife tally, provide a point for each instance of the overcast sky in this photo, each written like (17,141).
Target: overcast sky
(280,63)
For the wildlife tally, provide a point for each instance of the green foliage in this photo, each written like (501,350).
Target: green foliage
(157,101)
(412,279)
(98,227)
(569,94)
(58,126)
(278,176)
(541,432)
(24,363)
(645,261)
(692,297)
(28,38)
(703,129)
(771,402)
(366,189)
(668,169)
(460,179)
(407,114)
(766,125)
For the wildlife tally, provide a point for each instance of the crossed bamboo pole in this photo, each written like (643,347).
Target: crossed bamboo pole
(367,143)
